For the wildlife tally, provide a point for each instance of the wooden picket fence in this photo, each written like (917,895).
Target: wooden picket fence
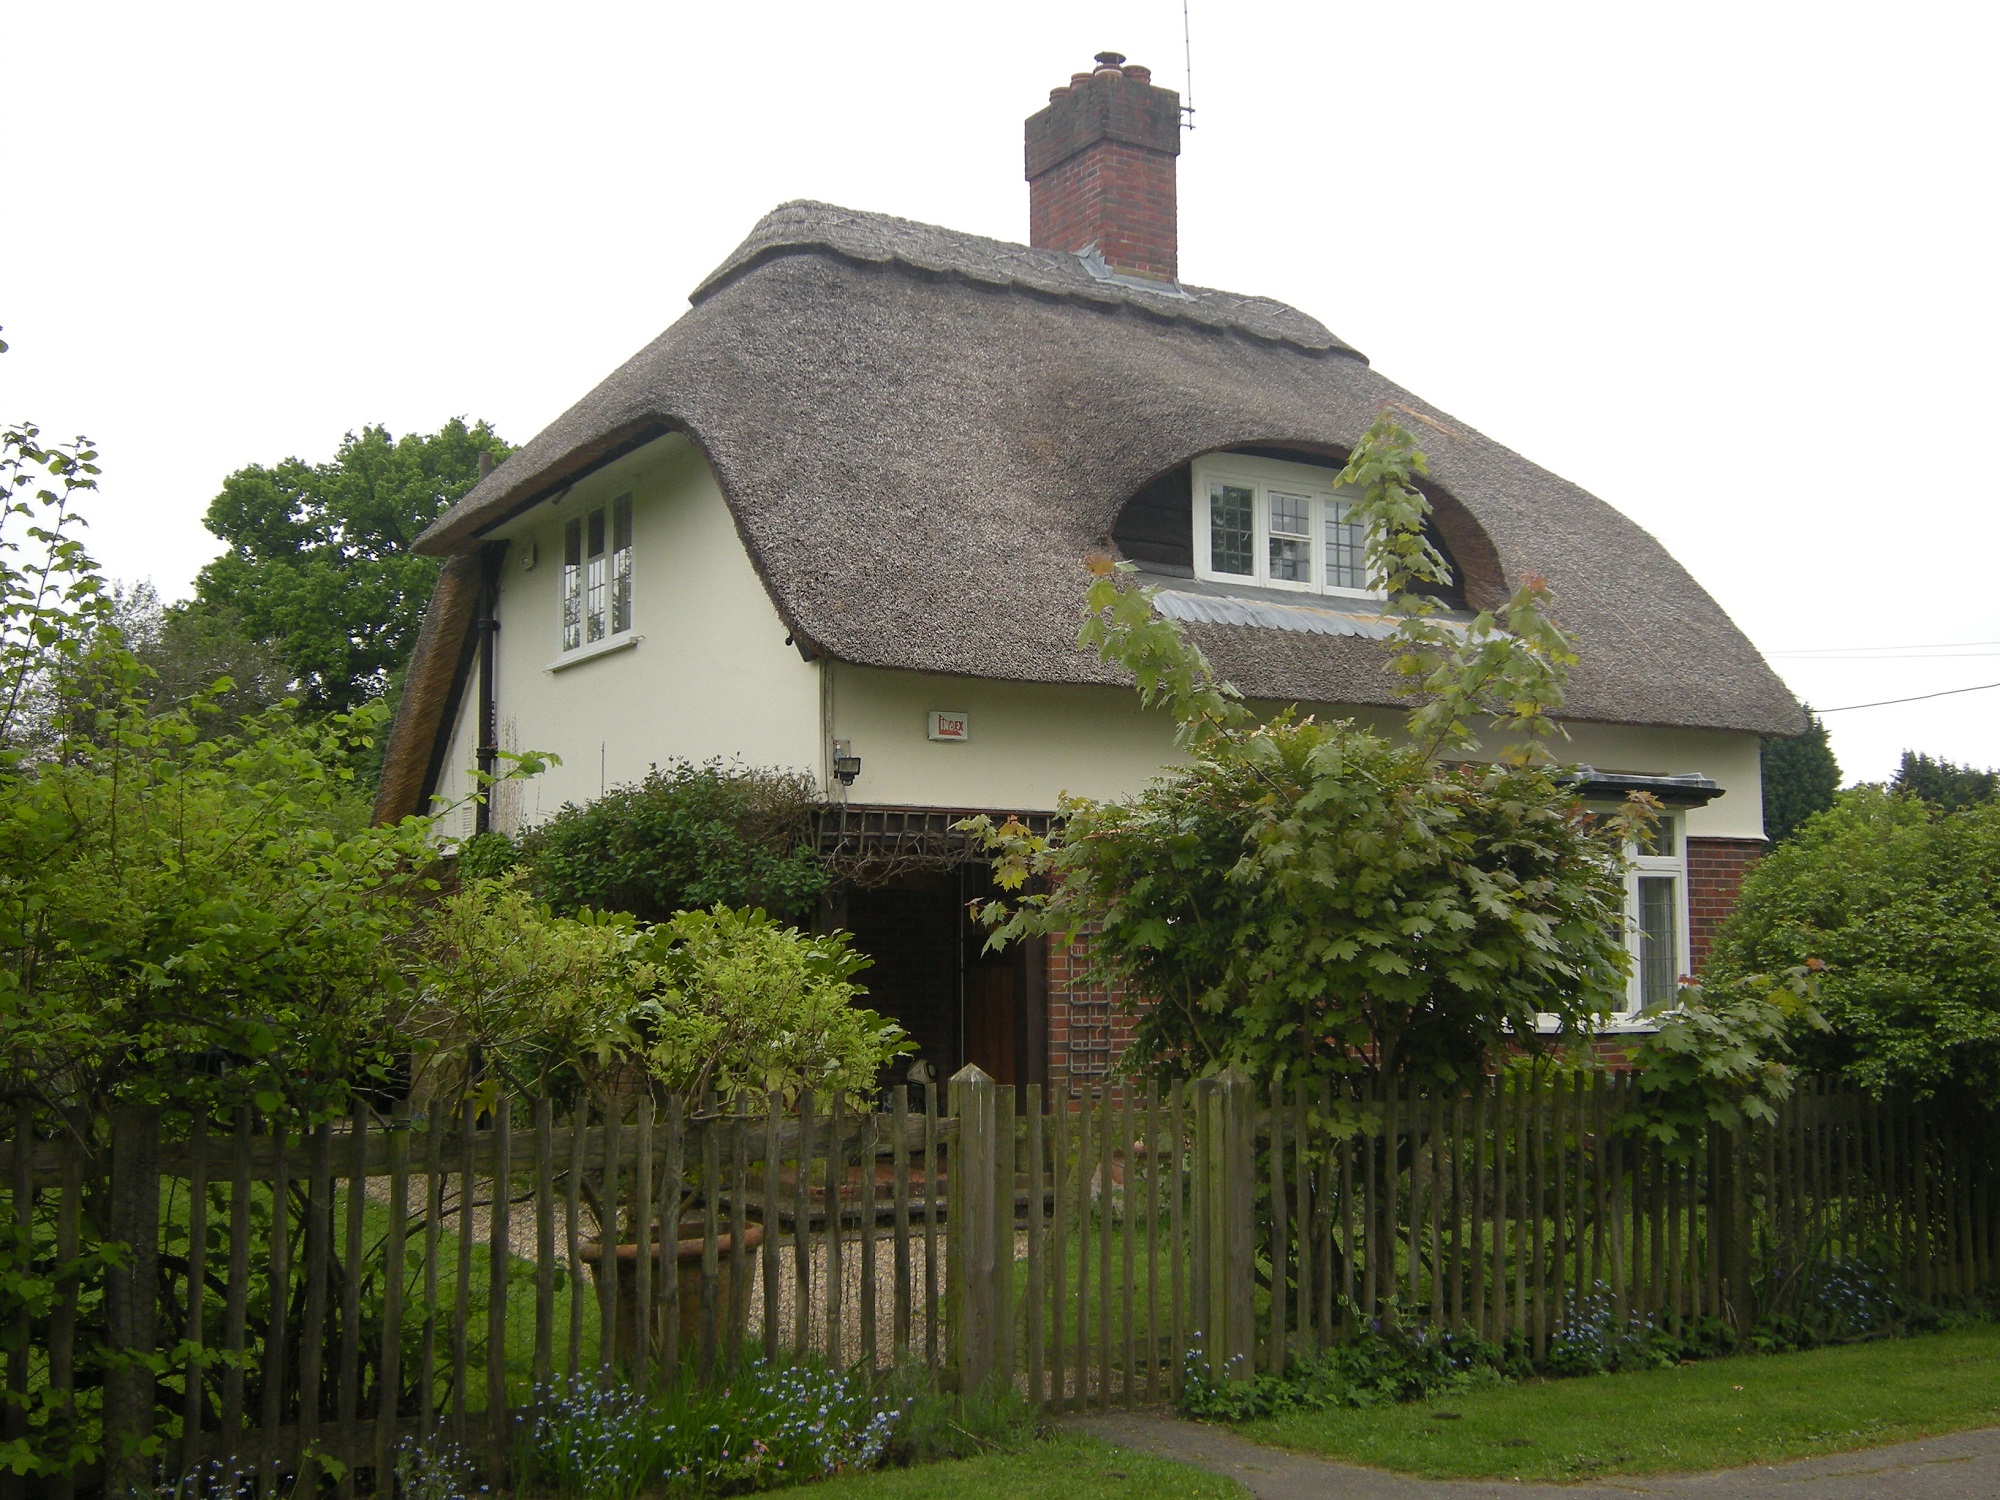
(1248,1226)
(328,1294)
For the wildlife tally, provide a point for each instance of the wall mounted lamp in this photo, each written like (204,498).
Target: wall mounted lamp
(846,764)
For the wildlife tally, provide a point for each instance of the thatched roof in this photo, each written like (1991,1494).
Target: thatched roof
(922,433)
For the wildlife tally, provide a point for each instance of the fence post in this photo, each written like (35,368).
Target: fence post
(969,1238)
(1224,1167)
(131,1302)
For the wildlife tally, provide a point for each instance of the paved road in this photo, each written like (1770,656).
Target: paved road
(1961,1466)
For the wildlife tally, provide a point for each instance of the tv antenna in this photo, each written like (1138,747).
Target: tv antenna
(1187,71)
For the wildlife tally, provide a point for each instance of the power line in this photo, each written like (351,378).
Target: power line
(1913,646)
(1886,702)
(1891,656)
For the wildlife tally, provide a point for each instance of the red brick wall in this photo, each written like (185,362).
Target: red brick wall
(1088,1025)
(1716,868)
(1120,199)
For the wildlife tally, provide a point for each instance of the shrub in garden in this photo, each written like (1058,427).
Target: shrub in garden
(184,915)
(737,1003)
(536,999)
(1722,1054)
(1380,1367)
(933,1425)
(686,837)
(1901,903)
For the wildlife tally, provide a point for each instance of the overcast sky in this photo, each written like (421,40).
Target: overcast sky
(1730,266)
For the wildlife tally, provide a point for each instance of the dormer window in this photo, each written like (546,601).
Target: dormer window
(1282,525)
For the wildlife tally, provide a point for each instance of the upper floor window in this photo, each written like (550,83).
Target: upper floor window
(1283,525)
(597,575)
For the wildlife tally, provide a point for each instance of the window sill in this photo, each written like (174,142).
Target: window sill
(1632,1024)
(1334,593)
(591,652)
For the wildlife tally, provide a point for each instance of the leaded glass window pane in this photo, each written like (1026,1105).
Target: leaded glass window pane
(621,564)
(594,578)
(1346,548)
(1231,529)
(572,586)
(1659,938)
(1291,537)
(1660,842)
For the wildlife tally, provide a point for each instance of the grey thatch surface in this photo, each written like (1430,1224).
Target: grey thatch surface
(923,433)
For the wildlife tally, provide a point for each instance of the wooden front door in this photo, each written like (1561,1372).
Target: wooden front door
(991,1019)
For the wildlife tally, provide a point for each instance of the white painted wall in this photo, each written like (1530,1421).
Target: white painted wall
(710,674)
(1029,743)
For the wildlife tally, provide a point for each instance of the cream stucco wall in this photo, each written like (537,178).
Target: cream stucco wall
(1029,743)
(710,673)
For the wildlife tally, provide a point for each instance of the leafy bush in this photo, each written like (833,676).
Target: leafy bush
(767,1427)
(514,997)
(685,838)
(1720,1055)
(1591,1339)
(1379,1368)
(1837,1300)
(932,1425)
(1901,901)
(739,1004)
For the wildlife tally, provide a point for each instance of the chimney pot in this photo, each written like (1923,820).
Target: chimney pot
(1100,168)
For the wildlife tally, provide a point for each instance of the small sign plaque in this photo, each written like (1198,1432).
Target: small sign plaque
(950,724)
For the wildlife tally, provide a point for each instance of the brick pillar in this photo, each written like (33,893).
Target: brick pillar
(1716,868)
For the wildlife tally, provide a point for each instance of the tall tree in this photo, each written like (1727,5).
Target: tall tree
(1945,786)
(1800,778)
(319,562)
(189,649)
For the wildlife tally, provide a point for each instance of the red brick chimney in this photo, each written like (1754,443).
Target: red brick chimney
(1101,169)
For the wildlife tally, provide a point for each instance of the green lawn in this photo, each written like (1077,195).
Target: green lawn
(1065,1467)
(1714,1415)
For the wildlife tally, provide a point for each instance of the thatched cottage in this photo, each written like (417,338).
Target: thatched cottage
(834,519)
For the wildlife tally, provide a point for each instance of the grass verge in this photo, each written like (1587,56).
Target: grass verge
(1717,1414)
(1064,1467)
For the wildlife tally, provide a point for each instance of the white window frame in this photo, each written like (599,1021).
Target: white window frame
(1641,864)
(1261,476)
(573,580)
